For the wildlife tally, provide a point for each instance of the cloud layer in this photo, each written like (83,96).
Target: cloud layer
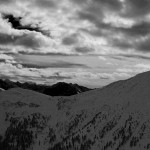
(72,24)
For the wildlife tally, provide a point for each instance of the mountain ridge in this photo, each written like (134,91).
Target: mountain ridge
(58,89)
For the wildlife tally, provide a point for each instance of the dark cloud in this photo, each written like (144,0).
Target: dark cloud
(95,10)
(29,41)
(123,44)
(16,23)
(139,29)
(26,40)
(91,17)
(114,5)
(143,45)
(7,39)
(70,40)
(136,8)
(34,66)
(46,3)
(80,1)
(136,56)
(58,64)
(83,50)
(2,60)
(5,1)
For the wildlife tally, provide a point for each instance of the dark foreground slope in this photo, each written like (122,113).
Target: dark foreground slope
(116,117)
(59,89)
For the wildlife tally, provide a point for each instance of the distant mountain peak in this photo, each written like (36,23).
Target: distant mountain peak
(65,89)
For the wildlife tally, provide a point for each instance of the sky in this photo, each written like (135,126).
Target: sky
(88,42)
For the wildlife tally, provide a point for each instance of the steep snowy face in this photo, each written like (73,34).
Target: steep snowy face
(114,117)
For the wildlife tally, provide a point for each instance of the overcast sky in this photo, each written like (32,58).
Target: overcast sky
(89,42)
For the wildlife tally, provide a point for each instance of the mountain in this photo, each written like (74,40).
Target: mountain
(115,117)
(59,89)
(64,89)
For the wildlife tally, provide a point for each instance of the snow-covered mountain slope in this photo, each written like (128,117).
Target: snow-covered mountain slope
(116,117)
